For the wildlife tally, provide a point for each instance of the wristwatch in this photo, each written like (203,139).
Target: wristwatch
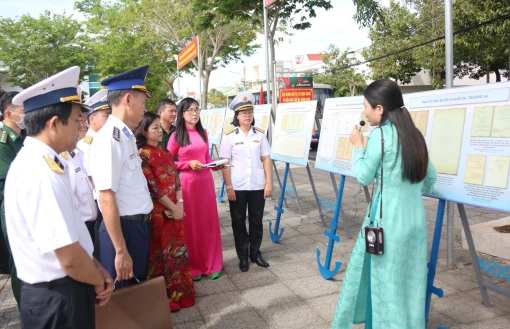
(229,187)
(180,200)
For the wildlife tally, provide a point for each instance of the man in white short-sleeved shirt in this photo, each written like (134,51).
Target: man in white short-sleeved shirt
(120,184)
(80,183)
(50,244)
(96,119)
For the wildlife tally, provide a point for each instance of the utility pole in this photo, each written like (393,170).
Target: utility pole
(450,216)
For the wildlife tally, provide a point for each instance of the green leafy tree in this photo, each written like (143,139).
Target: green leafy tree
(33,49)
(477,53)
(221,42)
(123,41)
(344,80)
(395,30)
(486,49)
(284,16)
(216,98)
(430,25)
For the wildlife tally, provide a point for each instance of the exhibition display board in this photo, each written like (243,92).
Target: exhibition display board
(292,132)
(212,121)
(467,131)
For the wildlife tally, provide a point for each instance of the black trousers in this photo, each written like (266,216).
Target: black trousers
(95,238)
(90,227)
(247,242)
(59,304)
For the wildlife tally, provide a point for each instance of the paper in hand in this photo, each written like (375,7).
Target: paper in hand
(216,163)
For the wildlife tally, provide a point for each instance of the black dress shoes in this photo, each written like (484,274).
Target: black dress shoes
(243,265)
(260,261)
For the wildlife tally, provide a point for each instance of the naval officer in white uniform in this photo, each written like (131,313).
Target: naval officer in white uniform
(248,179)
(80,184)
(52,250)
(96,119)
(123,194)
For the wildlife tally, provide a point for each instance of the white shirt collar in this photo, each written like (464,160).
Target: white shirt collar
(39,147)
(90,132)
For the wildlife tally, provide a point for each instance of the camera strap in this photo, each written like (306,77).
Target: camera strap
(381,192)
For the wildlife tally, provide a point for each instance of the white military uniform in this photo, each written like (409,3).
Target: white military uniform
(245,152)
(85,145)
(40,213)
(80,184)
(116,165)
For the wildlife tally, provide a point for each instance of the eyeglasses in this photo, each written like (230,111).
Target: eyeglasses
(190,111)
(246,113)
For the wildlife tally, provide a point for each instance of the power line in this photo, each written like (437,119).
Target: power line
(423,22)
(470,28)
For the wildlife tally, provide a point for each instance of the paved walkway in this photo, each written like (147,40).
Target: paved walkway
(292,294)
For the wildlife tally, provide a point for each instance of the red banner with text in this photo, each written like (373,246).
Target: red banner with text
(296,95)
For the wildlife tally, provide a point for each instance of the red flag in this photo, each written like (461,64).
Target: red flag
(261,96)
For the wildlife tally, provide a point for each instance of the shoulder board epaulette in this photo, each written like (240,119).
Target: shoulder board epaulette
(231,130)
(54,166)
(116,134)
(65,156)
(88,139)
(259,130)
(3,137)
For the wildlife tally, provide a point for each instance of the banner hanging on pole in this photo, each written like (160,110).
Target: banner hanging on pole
(187,54)
(268,3)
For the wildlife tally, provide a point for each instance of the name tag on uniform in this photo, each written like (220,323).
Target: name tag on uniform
(78,170)
(132,156)
(240,143)
(256,141)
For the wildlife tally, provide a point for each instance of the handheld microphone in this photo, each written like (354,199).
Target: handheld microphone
(361,124)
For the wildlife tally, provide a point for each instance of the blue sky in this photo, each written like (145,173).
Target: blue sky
(330,27)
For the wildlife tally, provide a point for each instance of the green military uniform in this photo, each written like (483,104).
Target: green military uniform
(166,136)
(10,144)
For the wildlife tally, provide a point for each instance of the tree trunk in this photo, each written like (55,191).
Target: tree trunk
(205,87)
(169,84)
(496,71)
(272,61)
(488,76)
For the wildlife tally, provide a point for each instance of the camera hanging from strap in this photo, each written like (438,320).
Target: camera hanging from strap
(374,236)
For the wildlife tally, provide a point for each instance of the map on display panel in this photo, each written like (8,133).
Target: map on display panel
(262,114)
(293,132)
(467,131)
(212,121)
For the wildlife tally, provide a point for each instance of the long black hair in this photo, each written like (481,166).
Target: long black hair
(415,157)
(143,126)
(181,133)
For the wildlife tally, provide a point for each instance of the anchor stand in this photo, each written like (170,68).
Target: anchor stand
(277,234)
(325,270)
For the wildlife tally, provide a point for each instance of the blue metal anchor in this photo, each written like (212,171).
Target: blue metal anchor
(325,270)
(277,234)
(212,151)
(221,191)
(433,260)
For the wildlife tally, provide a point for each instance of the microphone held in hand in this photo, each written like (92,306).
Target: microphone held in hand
(361,124)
